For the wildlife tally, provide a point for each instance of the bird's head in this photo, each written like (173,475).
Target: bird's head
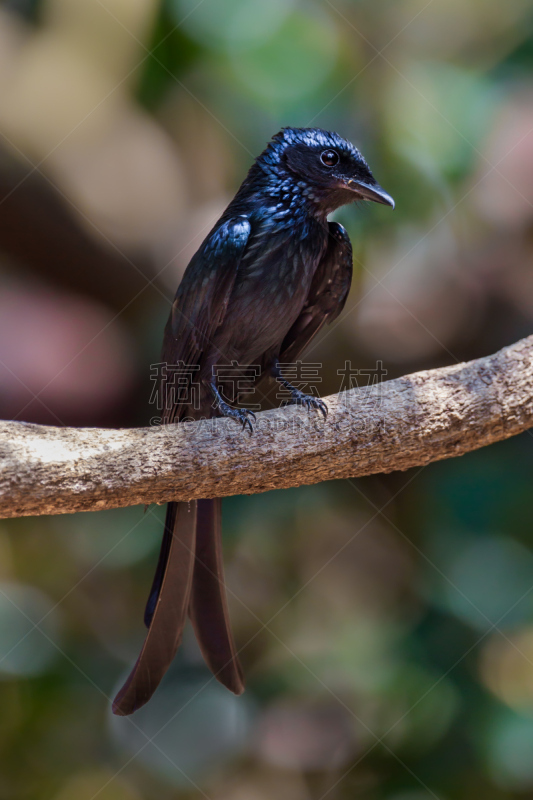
(327,167)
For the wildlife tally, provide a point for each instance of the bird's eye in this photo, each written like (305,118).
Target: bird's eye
(329,158)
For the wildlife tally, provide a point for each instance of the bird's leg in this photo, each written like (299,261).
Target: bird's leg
(298,398)
(240,414)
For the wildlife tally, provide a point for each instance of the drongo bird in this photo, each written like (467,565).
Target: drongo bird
(269,275)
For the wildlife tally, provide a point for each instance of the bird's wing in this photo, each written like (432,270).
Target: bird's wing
(202,299)
(327,295)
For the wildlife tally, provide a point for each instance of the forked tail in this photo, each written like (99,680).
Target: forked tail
(189,578)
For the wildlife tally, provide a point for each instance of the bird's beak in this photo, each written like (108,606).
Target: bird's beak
(370,192)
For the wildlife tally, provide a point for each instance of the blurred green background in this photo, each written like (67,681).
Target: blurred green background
(385,624)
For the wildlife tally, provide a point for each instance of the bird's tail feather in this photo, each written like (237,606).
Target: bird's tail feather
(189,576)
(170,522)
(168,609)
(208,608)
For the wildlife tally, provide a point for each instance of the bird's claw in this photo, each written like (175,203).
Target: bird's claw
(243,417)
(238,414)
(309,401)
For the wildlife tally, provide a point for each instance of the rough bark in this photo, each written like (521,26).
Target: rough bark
(399,424)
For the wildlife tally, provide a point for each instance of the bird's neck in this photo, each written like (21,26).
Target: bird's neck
(287,195)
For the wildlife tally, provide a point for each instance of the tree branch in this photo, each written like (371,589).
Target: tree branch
(399,424)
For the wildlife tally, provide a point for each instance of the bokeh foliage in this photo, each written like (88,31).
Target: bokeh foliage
(385,624)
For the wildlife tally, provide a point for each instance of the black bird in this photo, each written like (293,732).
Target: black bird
(265,280)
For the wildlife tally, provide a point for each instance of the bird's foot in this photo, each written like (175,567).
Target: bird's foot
(298,398)
(241,415)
